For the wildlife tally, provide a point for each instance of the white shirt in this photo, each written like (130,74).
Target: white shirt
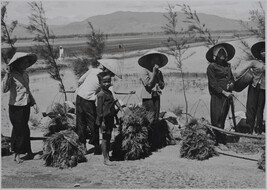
(18,85)
(90,84)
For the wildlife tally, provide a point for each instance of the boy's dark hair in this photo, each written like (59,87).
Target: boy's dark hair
(101,75)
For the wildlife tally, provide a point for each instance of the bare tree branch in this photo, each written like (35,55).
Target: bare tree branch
(6,34)
(42,33)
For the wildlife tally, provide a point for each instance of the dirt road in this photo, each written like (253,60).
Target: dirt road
(163,169)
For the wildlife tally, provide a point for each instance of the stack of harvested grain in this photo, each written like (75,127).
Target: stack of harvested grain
(261,162)
(132,141)
(63,149)
(5,145)
(61,118)
(197,142)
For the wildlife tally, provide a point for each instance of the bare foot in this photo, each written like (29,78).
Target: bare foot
(18,160)
(29,156)
(109,163)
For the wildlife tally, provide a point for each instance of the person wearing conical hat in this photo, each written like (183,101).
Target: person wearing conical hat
(16,81)
(152,80)
(86,127)
(220,84)
(256,90)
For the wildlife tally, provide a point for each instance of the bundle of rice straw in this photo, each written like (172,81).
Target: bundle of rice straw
(61,119)
(5,145)
(132,141)
(261,162)
(63,150)
(197,142)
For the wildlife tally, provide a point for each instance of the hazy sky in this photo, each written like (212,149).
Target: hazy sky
(68,11)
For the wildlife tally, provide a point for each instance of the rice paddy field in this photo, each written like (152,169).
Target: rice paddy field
(164,168)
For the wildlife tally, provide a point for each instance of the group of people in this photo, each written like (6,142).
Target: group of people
(95,100)
(222,83)
(96,105)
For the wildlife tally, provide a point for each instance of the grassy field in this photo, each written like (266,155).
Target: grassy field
(78,45)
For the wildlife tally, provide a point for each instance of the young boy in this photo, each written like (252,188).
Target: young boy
(105,109)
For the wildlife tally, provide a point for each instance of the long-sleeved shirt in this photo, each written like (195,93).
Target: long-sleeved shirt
(18,85)
(105,105)
(218,77)
(157,85)
(258,77)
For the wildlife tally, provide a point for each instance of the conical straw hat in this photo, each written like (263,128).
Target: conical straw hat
(32,58)
(112,65)
(144,61)
(255,50)
(228,47)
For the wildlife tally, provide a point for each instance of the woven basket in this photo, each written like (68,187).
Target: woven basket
(245,80)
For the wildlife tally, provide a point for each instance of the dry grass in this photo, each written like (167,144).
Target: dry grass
(60,119)
(261,162)
(247,146)
(197,142)
(132,141)
(63,150)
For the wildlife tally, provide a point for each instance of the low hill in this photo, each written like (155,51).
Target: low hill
(134,22)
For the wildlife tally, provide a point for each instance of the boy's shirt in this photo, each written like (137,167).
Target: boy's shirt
(105,105)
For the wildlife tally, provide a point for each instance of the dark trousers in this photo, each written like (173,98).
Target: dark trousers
(85,121)
(219,108)
(255,107)
(107,127)
(153,105)
(154,135)
(20,137)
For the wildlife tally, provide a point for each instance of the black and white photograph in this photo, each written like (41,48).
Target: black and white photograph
(133,94)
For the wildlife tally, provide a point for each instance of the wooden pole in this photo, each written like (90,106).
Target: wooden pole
(236,133)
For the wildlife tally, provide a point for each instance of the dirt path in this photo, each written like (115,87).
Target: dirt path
(163,169)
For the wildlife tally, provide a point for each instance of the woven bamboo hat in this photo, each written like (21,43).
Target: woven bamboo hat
(230,50)
(256,48)
(144,61)
(19,56)
(112,65)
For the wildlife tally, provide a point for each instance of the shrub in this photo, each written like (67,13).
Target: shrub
(80,65)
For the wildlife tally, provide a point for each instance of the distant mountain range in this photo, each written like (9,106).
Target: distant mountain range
(134,22)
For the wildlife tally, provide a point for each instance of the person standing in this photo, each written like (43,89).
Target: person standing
(152,86)
(220,84)
(105,110)
(256,90)
(61,53)
(16,81)
(86,127)
(152,80)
